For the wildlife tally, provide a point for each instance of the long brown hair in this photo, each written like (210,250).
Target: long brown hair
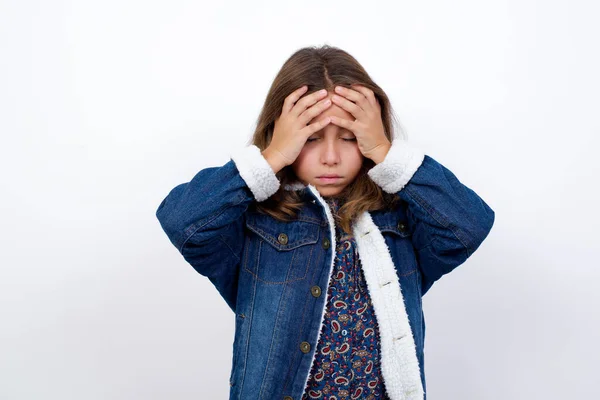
(319,68)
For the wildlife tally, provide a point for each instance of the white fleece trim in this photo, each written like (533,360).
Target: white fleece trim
(399,362)
(294,186)
(333,246)
(398,166)
(256,172)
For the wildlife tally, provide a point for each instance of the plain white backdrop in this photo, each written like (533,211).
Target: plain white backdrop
(106,106)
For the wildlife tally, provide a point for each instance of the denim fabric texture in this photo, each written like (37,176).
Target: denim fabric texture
(275,275)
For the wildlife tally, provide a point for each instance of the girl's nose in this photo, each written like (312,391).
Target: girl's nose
(331,153)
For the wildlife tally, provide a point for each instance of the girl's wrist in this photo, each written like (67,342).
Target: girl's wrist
(379,155)
(273,161)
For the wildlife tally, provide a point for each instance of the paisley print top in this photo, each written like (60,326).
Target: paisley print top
(347,364)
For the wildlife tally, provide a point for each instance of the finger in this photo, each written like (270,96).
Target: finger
(291,99)
(349,106)
(307,101)
(343,123)
(316,126)
(367,93)
(314,111)
(349,94)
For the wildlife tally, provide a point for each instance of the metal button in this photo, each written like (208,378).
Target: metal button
(305,347)
(282,238)
(315,290)
(402,226)
(288,398)
(326,243)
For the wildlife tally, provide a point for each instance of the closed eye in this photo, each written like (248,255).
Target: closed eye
(346,139)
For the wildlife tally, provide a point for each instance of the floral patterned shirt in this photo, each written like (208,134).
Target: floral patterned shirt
(347,364)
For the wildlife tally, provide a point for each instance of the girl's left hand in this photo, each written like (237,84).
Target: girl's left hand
(368,126)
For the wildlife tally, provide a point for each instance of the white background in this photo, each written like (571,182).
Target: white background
(107,105)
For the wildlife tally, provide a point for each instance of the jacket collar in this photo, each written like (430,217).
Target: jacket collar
(386,220)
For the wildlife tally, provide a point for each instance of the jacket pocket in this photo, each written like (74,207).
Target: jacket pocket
(279,252)
(398,238)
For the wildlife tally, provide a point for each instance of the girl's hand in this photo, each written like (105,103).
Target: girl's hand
(368,126)
(291,129)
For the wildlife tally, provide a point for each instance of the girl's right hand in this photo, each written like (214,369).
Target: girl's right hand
(291,127)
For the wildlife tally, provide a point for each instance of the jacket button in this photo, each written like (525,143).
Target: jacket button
(282,238)
(288,398)
(305,347)
(402,226)
(326,243)
(315,290)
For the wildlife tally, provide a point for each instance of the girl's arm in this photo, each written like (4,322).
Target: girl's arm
(204,218)
(448,220)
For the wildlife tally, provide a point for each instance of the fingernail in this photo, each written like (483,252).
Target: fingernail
(322,91)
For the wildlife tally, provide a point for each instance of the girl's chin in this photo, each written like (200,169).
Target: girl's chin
(329,190)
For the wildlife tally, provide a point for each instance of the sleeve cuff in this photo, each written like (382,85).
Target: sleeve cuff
(256,172)
(398,166)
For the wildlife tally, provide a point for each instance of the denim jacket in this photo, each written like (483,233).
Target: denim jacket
(274,275)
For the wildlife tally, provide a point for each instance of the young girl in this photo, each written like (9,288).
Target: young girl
(322,235)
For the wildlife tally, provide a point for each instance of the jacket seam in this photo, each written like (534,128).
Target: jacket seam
(273,336)
(442,220)
(208,220)
(222,239)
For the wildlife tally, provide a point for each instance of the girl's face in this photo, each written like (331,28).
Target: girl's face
(330,151)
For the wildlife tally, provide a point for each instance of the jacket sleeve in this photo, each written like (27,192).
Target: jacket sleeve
(447,219)
(204,218)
